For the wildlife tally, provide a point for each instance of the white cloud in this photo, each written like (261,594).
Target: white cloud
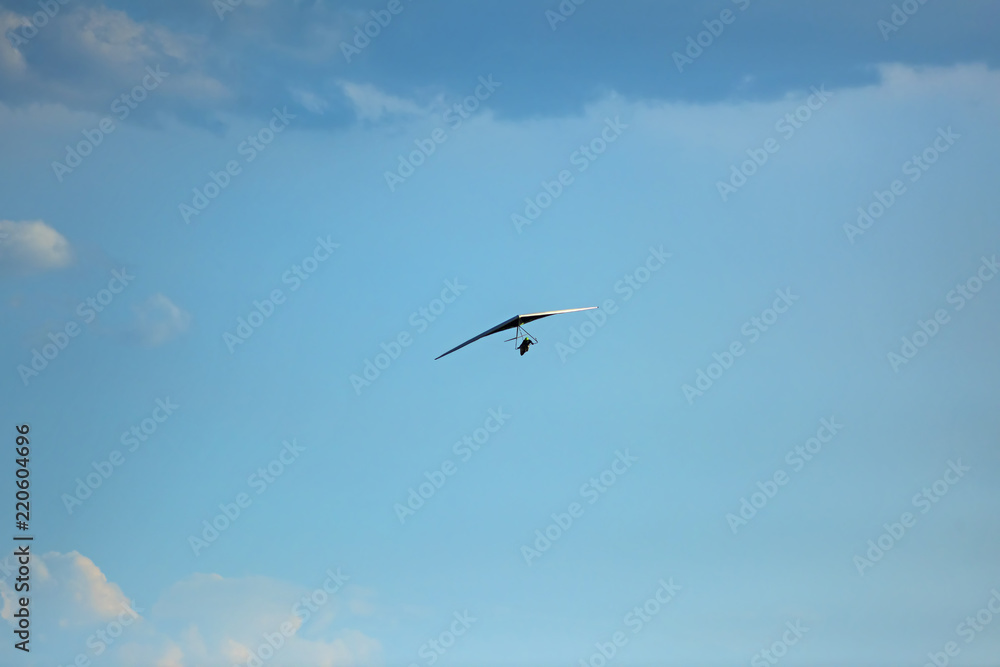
(113,39)
(901,91)
(371,104)
(84,595)
(158,320)
(975,80)
(32,246)
(11,60)
(107,52)
(204,619)
(174,657)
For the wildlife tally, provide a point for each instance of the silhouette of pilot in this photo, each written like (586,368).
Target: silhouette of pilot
(524,345)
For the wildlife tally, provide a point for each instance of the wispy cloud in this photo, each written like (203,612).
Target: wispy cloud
(158,320)
(310,101)
(370,103)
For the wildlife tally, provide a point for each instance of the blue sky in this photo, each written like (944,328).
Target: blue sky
(238,165)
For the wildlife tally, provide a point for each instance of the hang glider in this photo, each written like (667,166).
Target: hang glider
(516,322)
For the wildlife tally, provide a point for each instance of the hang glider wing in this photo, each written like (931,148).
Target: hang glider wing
(512,323)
